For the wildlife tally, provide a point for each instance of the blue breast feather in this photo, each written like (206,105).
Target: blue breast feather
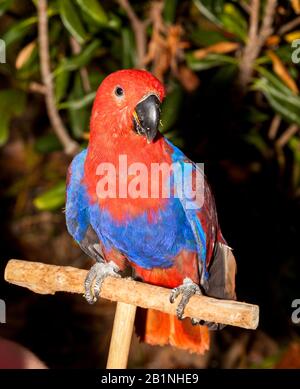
(149,245)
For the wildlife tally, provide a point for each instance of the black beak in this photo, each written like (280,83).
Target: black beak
(146,117)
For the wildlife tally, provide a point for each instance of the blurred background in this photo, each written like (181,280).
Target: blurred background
(232,72)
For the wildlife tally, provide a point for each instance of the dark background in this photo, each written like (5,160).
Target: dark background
(246,134)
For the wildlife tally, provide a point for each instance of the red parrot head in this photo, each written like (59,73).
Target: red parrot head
(128,103)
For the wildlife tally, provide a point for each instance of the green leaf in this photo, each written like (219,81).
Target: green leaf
(274,80)
(211,9)
(80,60)
(284,52)
(61,85)
(294,145)
(52,199)
(12,103)
(47,144)
(82,102)
(231,26)
(96,78)
(285,112)
(287,105)
(293,71)
(253,115)
(19,30)
(4,129)
(72,21)
(277,87)
(169,12)
(4,6)
(128,48)
(114,22)
(79,118)
(287,98)
(234,21)
(171,108)
(94,9)
(204,37)
(210,61)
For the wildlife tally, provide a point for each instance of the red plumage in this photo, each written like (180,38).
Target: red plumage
(112,135)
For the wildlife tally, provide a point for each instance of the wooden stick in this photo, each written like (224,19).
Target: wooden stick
(121,336)
(48,279)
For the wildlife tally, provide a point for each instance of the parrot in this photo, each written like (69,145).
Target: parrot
(156,239)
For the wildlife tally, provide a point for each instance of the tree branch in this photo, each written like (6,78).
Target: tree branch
(274,127)
(256,38)
(139,29)
(266,28)
(35,87)
(246,7)
(70,146)
(289,26)
(287,135)
(49,279)
(250,50)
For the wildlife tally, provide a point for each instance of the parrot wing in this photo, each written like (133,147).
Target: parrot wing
(216,263)
(78,211)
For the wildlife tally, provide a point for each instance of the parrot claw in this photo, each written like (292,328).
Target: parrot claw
(187,289)
(95,277)
(211,325)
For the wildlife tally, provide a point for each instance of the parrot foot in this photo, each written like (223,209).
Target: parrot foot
(211,325)
(187,289)
(95,277)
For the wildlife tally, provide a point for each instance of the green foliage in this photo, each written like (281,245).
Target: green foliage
(79,117)
(80,103)
(19,30)
(47,143)
(52,199)
(4,6)
(94,9)
(12,103)
(211,9)
(80,60)
(72,21)
(169,13)
(106,42)
(210,61)
(280,97)
(203,37)
(234,22)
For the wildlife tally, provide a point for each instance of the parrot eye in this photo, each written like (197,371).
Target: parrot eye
(119,91)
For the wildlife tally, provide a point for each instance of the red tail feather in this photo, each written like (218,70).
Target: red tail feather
(158,328)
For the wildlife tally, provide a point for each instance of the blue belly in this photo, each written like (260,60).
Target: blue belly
(148,244)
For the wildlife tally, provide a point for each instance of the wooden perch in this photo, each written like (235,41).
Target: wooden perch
(49,279)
